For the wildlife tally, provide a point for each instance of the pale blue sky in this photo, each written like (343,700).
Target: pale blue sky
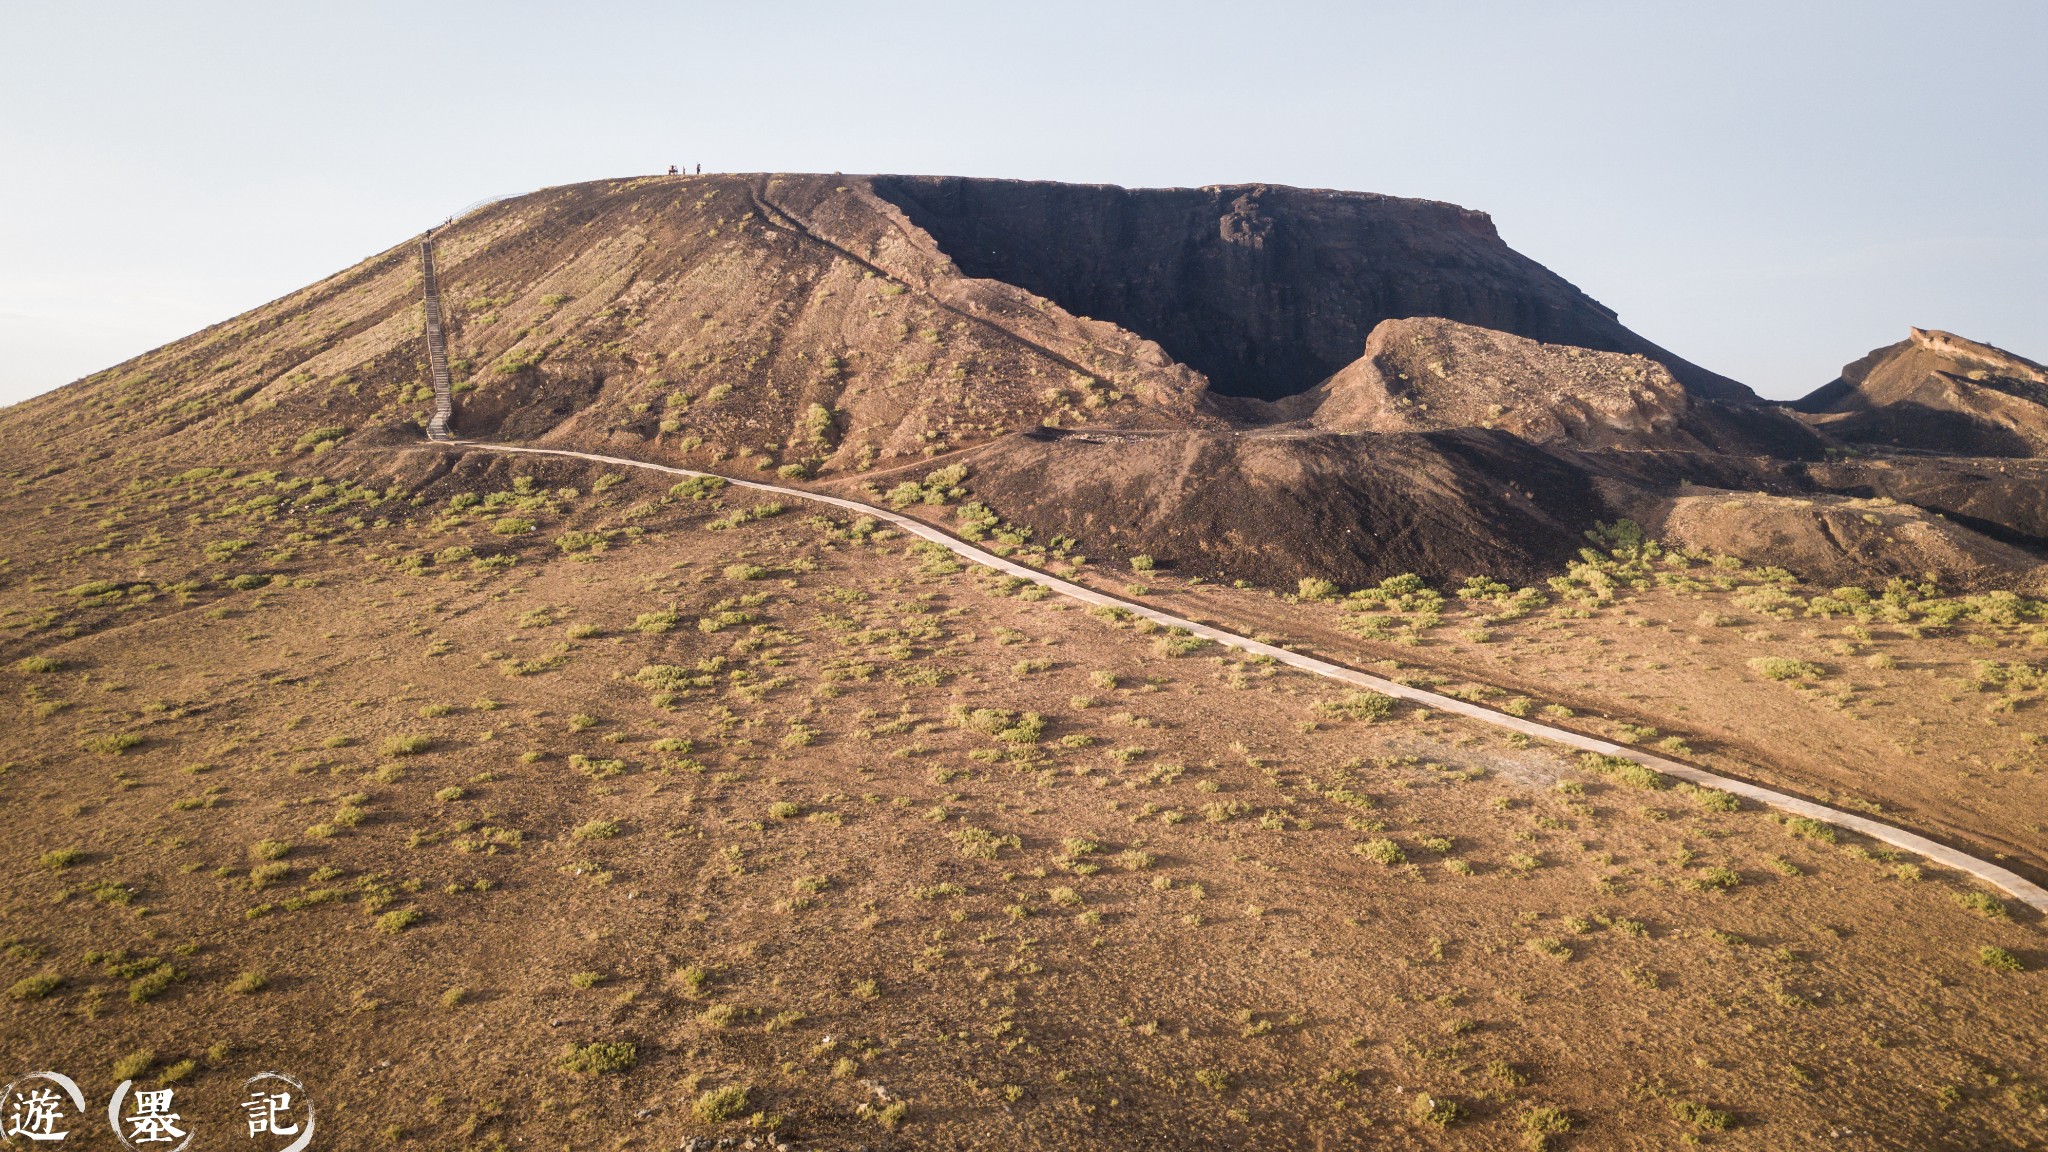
(1770,189)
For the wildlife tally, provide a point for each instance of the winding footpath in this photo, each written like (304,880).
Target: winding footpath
(2015,885)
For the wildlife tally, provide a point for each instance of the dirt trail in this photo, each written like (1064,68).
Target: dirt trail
(2004,879)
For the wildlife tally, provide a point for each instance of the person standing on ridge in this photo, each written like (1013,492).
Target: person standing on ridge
(672,170)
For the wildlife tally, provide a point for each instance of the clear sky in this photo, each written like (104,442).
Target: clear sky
(1770,189)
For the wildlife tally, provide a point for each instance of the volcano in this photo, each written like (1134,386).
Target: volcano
(1255,381)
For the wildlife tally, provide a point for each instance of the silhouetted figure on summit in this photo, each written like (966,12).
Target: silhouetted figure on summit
(672,170)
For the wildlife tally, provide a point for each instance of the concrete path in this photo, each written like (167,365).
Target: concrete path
(437,347)
(2015,885)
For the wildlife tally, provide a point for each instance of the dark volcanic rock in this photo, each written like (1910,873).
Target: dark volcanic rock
(1275,507)
(1267,290)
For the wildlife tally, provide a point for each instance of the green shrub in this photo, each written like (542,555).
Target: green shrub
(1999,960)
(1435,1111)
(1363,704)
(35,987)
(1810,829)
(656,623)
(410,745)
(977,844)
(596,769)
(1780,668)
(1711,799)
(1624,770)
(1383,850)
(698,488)
(1983,904)
(151,985)
(57,859)
(319,436)
(112,743)
(889,1116)
(818,424)
(1545,1120)
(716,1105)
(1009,727)
(599,1058)
(937,488)
(573,542)
(669,678)
(596,830)
(1701,1117)
(1315,588)
(397,920)
(1715,880)
(38,664)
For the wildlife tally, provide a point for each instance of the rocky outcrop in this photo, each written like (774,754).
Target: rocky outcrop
(1430,374)
(1266,290)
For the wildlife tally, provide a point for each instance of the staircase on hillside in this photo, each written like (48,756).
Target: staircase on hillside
(437,350)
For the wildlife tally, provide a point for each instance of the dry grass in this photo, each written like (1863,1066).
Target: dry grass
(1220,904)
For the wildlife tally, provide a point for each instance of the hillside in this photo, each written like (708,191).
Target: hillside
(520,801)
(524,801)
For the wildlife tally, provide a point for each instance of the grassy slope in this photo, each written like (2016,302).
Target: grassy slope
(1190,939)
(1927,713)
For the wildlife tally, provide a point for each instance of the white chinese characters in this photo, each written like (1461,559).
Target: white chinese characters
(275,1107)
(46,1109)
(39,1109)
(268,1112)
(148,1121)
(153,1120)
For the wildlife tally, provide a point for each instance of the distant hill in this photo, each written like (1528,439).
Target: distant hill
(1937,392)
